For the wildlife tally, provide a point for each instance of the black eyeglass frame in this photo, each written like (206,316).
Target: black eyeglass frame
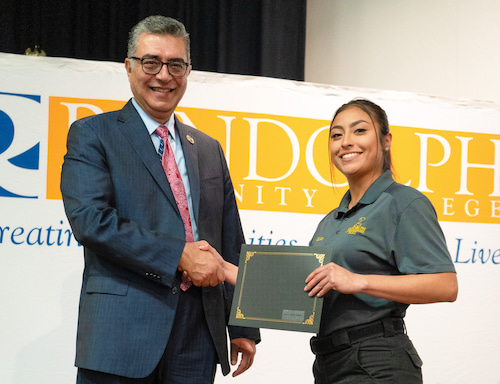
(186,65)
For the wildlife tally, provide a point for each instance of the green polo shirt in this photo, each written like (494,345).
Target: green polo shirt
(393,230)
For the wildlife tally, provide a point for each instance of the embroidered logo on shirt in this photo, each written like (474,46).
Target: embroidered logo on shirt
(358,227)
(320,238)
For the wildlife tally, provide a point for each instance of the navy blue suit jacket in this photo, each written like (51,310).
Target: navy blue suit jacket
(122,210)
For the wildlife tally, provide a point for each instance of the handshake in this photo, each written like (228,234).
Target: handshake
(204,266)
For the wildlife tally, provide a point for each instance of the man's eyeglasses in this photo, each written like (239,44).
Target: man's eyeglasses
(153,66)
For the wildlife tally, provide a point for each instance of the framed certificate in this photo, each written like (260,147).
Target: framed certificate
(269,292)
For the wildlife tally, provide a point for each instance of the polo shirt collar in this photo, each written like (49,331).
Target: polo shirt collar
(371,195)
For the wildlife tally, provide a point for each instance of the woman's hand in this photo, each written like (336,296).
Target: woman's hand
(333,276)
(230,270)
(409,289)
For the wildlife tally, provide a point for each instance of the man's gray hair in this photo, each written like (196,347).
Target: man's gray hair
(160,25)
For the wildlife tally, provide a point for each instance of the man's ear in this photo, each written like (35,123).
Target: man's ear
(128,66)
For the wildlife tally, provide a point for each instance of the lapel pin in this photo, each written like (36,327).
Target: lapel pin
(190,139)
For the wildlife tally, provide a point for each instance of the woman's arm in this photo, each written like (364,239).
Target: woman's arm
(231,272)
(408,289)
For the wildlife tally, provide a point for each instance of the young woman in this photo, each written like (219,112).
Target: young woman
(388,252)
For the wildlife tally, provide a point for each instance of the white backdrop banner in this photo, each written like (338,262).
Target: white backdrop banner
(275,137)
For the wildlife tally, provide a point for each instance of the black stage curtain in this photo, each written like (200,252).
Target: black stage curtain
(250,37)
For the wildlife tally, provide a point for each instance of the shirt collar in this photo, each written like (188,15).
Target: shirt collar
(150,124)
(371,195)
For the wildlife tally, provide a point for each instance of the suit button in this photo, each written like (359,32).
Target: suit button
(175,290)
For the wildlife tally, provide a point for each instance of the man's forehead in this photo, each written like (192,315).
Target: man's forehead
(150,41)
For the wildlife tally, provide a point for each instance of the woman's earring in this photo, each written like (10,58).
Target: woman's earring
(387,149)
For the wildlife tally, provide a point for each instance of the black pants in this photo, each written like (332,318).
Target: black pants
(383,360)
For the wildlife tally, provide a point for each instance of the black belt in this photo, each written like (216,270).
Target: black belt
(343,338)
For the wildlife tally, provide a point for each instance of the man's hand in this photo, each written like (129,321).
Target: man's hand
(230,270)
(202,268)
(247,349)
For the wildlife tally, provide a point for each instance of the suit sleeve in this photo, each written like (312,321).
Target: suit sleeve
(95,193)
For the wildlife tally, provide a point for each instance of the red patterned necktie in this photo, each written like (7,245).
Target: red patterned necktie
(174,178)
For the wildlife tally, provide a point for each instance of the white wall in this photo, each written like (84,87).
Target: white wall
(447,48)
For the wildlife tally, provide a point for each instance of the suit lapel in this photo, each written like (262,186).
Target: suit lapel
(133,128)
(189,147)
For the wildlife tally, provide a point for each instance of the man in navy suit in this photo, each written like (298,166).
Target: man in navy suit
(136,324)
